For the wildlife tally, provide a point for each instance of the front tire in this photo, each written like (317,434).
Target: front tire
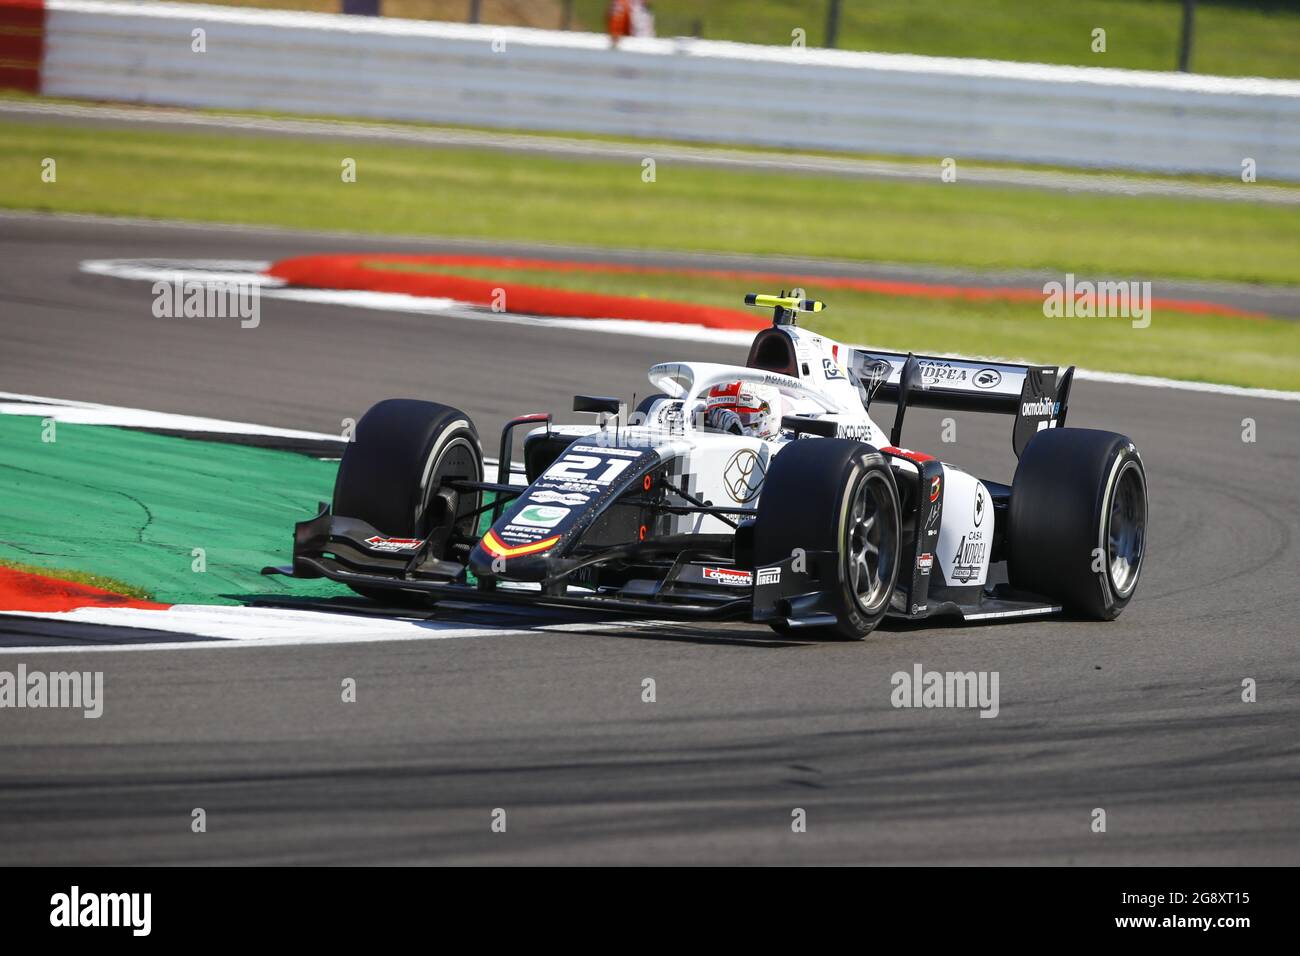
(831,494)
(1077,523)
(392,475)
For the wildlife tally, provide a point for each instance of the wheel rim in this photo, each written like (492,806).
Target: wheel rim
(869,540)
(458,458)
(1126,529)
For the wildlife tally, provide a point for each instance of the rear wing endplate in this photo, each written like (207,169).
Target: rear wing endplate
(1037,395)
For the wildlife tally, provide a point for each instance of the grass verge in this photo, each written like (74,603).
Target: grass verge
(493,195)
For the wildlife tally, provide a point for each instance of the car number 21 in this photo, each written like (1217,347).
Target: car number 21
(581,468)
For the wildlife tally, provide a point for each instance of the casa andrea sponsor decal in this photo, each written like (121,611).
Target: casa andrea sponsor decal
(942,372)
(968,562)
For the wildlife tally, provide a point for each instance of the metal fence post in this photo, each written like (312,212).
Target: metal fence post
(832,23)
(1189,29)
(475,10)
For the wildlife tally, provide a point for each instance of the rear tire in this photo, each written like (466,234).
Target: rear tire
(390,475)
(831,494)
(1077,525)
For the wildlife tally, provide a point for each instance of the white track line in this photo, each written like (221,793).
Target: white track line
(92,413)
(89,413)
(232,627)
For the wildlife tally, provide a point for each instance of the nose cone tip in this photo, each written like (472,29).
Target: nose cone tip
(524,561)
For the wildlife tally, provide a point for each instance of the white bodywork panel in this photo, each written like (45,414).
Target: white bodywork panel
(728,470)
(966,531)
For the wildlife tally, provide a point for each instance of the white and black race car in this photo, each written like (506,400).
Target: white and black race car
(791,507)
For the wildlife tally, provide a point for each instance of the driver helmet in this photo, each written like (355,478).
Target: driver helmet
(744,408)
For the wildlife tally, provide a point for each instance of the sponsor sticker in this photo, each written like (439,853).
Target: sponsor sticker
(547,497)
(968,562)
(855,432)
(626,452)
(671,414)
(769,575)
(731,576)
(924,562)
(381,543)
(1044,406)
(979,506)
(987,378)
(935,484)
(874,373)
(540,516)
(781,381)
(831,370)
(743,476)
(942,373)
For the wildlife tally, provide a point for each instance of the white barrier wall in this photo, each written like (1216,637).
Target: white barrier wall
(680,89)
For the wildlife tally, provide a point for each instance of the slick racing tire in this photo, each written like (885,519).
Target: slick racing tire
(391,473)
(836,495)
(1077,526)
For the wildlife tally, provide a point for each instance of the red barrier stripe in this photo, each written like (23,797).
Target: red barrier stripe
(22,44)
(353,272)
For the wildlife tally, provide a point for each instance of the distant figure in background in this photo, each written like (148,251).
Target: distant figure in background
(629,18)
(643,19)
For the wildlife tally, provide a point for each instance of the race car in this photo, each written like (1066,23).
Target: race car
(763,492)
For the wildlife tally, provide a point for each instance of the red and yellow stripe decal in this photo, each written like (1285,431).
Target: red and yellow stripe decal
(497,548)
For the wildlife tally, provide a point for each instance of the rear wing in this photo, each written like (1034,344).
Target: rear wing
(1037,395)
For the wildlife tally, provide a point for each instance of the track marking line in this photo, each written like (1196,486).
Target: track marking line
(229,627)
(93,413)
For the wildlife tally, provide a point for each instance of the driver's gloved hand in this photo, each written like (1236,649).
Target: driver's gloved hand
(724,420)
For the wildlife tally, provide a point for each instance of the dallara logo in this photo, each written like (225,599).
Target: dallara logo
(743,476)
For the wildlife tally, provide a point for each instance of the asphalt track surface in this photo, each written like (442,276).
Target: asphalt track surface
(1141,717)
